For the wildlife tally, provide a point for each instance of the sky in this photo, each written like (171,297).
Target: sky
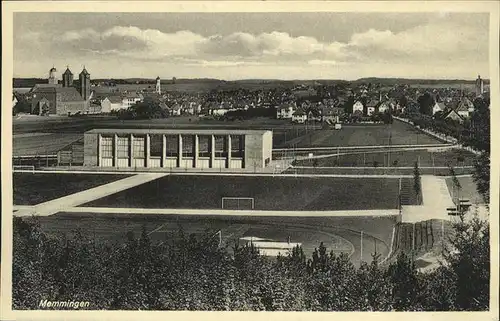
(323,45)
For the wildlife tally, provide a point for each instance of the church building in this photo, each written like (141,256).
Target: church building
(66,98)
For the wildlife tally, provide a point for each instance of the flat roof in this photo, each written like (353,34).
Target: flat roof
(124,131)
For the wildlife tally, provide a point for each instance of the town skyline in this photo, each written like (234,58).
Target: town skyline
(240,46)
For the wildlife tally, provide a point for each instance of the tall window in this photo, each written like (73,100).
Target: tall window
(156,145)
(187,145)
(172,146)
(237,145)
(139,142)
(204,143)
(107,147)
(220,146)
(123,147)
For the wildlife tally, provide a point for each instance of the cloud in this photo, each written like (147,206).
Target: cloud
(435,43)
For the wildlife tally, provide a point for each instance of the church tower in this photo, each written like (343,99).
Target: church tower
(67,78)
(479,86)
(84,84)
(52,76)
(158,85)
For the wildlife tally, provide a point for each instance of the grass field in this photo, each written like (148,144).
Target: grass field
(269,193)
(335,232)
(41,143)
(426,158)
(468,190)
(32,189)
(369,135)
(377,171)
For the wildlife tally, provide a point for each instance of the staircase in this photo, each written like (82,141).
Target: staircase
(406,191)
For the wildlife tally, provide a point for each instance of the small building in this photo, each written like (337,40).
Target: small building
(112,103)
(358,106)
(285,112)
(371,107)
(453,114)
(438,107)
(177,148)
(299,117)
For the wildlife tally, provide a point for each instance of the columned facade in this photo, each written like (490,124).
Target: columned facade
(177,149)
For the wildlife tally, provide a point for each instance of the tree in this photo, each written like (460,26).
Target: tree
(481,176)
(456,183)
(416,182)
(468,263)
(425,102)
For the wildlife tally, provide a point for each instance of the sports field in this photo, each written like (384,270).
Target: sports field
(401,158)
(41,143)
(32,189)
(340,234)
(397,133)
(468,190)
(269,193)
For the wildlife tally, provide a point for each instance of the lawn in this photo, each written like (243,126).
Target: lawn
(269,193)
(397,133)
(309,231)
(41,143)
(468,190)
(426,158)
(32,189)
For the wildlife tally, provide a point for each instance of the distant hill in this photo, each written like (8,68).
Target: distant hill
(394,81)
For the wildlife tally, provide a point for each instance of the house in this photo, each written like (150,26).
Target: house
(438,107)
(112,103)
(465,107)
(130,99)
(371,107)
(299,117)
(453,114)
(285,112)
(384,107)
(331,115)
(358,106)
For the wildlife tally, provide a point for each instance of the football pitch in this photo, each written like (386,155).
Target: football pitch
(338,234)
(267,193)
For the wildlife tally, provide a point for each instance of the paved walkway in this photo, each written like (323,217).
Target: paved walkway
(66,202)
(219,212)
(435,201)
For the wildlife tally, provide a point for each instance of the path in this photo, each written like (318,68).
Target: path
(219,212)
(435,201)
(76,199)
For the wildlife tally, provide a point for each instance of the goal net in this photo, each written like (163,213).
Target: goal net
(238,203)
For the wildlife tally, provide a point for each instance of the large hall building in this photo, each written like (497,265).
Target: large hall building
(177,148)
(63,98)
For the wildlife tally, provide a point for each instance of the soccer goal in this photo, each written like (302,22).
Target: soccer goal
(238,203)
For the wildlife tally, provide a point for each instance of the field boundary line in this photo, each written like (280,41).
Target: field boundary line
(220,212)
(391,247)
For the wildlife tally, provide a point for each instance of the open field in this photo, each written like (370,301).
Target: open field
(367,135)
(402,158)
(336,232)
(376,171)
(41,143)
(269,193)
(32,189)
(468,190)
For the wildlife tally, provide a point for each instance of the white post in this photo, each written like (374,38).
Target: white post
(115,150)
(163,150)
(361,250)
(147,150)
(413,238)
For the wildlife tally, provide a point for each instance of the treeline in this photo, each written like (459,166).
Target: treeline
(473,132)
(193,273)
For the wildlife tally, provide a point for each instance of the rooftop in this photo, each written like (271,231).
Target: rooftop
(178,131)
